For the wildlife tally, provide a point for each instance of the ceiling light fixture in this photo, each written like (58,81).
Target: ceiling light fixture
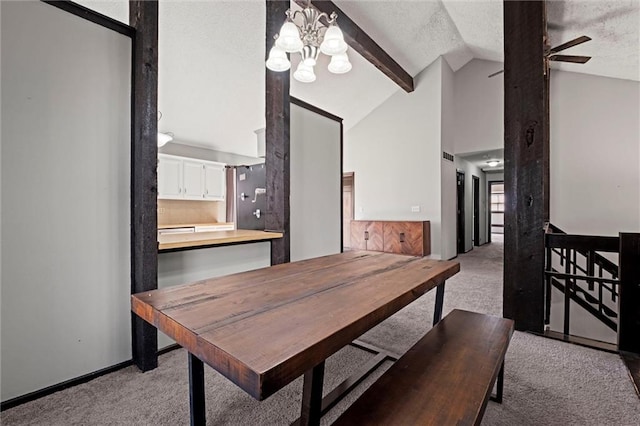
(163,138)
(309,39)
(493,163)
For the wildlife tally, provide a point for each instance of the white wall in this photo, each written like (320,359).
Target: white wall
(448,169)
(479,105)
(395,154)
(595,154)
(595,143)
(65,175)
(316,185)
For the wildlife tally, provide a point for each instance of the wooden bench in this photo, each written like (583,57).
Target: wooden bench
(444,379)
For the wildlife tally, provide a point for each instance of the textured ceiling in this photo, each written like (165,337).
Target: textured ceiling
(211,71)
(614,27)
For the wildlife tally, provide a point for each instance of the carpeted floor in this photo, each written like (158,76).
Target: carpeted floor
(546,382)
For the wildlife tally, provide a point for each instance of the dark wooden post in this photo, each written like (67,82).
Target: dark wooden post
(277,141)
(143,16)
(526,121)
(629,301)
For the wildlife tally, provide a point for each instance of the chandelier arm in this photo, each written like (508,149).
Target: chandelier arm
(293,15)
(323,15)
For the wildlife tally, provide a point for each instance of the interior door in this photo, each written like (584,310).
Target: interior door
(460,214)
(347,208)
(476,210)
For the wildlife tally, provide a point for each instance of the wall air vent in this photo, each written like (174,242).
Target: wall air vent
(447,156)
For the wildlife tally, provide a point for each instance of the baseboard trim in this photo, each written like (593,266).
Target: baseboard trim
(580,341)
(32,396)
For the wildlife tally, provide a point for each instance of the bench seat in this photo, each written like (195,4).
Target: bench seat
(444,379)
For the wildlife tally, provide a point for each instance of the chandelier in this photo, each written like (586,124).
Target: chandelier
(309,39)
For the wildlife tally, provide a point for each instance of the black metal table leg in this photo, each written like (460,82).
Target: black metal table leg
(437,314)
(196,391)
(312,396)
(499,388)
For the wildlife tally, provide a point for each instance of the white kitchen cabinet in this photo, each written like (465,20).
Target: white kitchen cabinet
(193,179)
(181,178)
(169,177)
(214,181)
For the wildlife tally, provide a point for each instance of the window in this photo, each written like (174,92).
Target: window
(497,207)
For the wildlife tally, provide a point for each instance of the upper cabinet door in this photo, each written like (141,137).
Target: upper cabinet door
(169,177)
(181,178)
(193,179)
(215,182)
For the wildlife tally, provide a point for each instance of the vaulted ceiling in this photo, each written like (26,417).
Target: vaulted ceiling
(211,67)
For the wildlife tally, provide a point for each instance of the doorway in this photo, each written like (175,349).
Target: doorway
(496,210)
(460,215)
(348,199)
(476,211)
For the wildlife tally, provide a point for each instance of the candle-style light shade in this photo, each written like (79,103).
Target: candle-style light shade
(333,42)
(278,60)
(340,64)
(304,73)
(289,38)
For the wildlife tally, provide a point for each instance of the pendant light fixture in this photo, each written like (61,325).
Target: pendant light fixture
(163,138)
(309,39)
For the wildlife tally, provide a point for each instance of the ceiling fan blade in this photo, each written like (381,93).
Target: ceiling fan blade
(495,73)
(570,58)
(574,42)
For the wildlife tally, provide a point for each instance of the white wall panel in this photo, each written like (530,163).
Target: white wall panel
(316,185)
(65,193)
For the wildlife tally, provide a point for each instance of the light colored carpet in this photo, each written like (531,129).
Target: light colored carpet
(546,382)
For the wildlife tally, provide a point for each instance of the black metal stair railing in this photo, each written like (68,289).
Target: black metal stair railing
(588,279)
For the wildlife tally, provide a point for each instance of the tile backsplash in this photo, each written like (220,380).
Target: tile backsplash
(178,212)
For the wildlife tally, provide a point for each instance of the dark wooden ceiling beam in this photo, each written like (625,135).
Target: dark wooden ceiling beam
(359,41)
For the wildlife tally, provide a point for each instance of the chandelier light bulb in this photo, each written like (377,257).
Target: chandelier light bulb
(278,60)
(289,38)
(333,42)
(340,64)
(304,73)
(310,55)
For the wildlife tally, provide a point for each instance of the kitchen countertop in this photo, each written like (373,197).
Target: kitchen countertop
(174,242)
(191,225)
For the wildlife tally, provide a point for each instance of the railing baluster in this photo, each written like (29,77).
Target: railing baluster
(567,293)
(590,268)
(600,297)
(547,282)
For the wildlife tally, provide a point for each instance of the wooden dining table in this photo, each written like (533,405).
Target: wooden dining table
(263,329)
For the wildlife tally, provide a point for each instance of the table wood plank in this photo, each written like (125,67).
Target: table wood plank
(262,329)
(182,294)
(215,311)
